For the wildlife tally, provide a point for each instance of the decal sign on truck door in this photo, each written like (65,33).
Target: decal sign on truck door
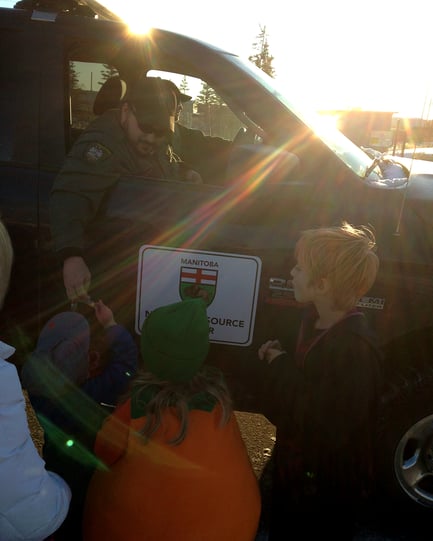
(229,284)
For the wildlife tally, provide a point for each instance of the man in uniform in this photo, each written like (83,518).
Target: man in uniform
(132,139)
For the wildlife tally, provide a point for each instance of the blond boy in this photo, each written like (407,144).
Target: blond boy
(325,389)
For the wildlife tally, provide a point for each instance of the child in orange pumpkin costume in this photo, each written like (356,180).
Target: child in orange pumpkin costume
(177,467)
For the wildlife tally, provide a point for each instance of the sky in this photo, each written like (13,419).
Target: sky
(367,54)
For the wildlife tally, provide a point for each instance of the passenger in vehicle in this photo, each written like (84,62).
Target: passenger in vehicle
(73,381)
(207,154)
(33,501)
(323,392)
(175,464)
(132,140)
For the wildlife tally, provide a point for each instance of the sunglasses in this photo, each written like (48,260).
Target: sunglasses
(145,128)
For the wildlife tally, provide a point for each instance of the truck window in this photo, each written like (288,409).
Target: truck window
(85,80)
(206,110)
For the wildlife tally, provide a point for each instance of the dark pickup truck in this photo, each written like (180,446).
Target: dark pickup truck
(287,170)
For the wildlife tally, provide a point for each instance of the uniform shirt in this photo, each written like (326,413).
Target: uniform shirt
(100,156)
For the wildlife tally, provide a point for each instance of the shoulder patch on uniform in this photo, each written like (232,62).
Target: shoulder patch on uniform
(95,152)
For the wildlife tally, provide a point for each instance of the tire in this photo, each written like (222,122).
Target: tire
(405,437)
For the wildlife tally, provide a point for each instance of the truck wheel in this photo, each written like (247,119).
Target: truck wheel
(405,442)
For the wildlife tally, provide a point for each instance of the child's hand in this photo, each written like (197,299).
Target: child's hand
(269,350)
(104,314)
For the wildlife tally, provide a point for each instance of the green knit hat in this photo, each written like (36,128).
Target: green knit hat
(175,340)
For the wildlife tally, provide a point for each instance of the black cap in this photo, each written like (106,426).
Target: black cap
(109,95)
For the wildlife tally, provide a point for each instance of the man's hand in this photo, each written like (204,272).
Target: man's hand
(269,350)
(76,277)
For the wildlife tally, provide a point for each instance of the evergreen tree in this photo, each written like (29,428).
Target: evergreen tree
(209,105)
(73,77)
(208,95)
(183,87)
(107,72)
(261,58)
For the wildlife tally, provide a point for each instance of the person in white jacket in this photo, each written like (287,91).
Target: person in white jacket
(33,501)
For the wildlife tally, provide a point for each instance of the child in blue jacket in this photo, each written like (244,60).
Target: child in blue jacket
(72,391)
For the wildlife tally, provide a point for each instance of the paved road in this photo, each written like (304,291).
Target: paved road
(259,437)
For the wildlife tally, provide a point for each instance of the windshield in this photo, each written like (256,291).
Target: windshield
(352,155)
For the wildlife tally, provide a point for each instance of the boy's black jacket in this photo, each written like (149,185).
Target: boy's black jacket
(324,406)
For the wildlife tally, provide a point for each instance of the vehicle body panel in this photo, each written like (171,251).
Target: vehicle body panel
(255,213)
